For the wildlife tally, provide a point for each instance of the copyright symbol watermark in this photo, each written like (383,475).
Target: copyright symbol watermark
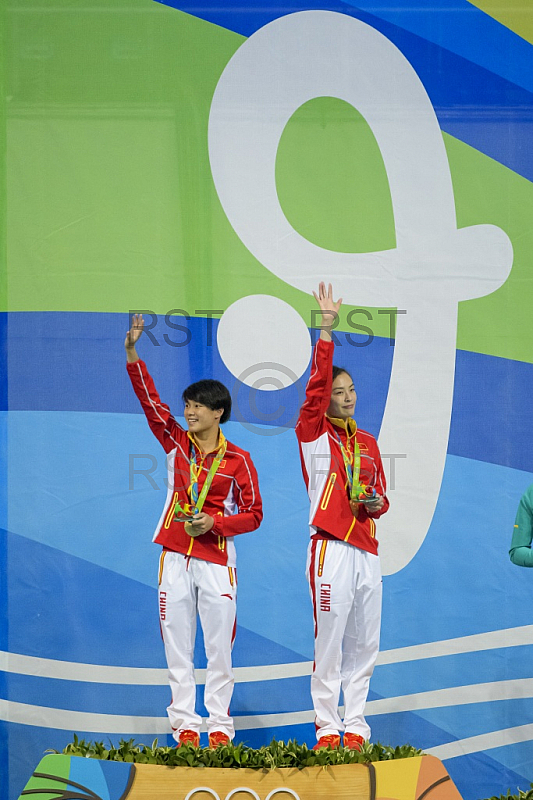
(261,381)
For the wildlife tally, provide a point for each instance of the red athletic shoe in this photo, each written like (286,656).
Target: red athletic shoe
(217,739)
(189,737)
(353,741)
(331,740)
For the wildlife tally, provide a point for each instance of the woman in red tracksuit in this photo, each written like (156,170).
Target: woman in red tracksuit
(343,565)
(215,485)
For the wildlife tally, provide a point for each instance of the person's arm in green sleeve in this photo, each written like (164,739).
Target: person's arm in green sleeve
(521,553)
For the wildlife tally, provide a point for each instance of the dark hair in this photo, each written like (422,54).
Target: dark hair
(339,371)
(212,394)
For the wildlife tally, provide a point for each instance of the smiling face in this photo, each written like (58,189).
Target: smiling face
(200,419)
(343,397)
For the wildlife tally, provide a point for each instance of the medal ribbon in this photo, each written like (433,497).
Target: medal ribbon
(195,468)
(352,465)
(358,492)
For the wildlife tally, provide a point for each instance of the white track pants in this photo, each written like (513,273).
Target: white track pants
(345,586)
(187,587)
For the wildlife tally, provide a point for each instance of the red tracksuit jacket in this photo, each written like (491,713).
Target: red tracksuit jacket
(323,464)
(233,499)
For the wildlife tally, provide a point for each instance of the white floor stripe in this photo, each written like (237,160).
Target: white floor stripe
(98,673)
(74,671)
(76,721)
(490,640)
(453,696)
(140,676)
(485,741)
(124,726)
(40,716)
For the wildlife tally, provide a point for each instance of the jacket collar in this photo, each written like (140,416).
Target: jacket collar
(348,425)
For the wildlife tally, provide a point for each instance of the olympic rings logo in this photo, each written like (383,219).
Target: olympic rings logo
(270,795)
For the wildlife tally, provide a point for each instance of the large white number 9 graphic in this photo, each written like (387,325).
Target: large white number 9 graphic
(434,265)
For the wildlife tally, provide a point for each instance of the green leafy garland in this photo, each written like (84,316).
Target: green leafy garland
(272,756)
(276,754)
(521,795)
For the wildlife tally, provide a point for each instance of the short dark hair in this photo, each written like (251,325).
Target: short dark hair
(212,394)
(339,371)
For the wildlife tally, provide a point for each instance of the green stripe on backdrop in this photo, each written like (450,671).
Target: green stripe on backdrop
(518,15)
(487,192)
(112,205)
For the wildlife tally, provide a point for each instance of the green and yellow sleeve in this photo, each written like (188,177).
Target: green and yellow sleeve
(521,553)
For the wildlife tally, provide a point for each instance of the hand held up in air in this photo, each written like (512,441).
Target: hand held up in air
(133,336)
(329,308)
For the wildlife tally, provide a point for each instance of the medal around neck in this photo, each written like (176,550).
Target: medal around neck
(189,511)
(186,513)
(362,493)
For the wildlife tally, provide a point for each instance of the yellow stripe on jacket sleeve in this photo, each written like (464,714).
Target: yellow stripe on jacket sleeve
(328,491)
(170,514)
